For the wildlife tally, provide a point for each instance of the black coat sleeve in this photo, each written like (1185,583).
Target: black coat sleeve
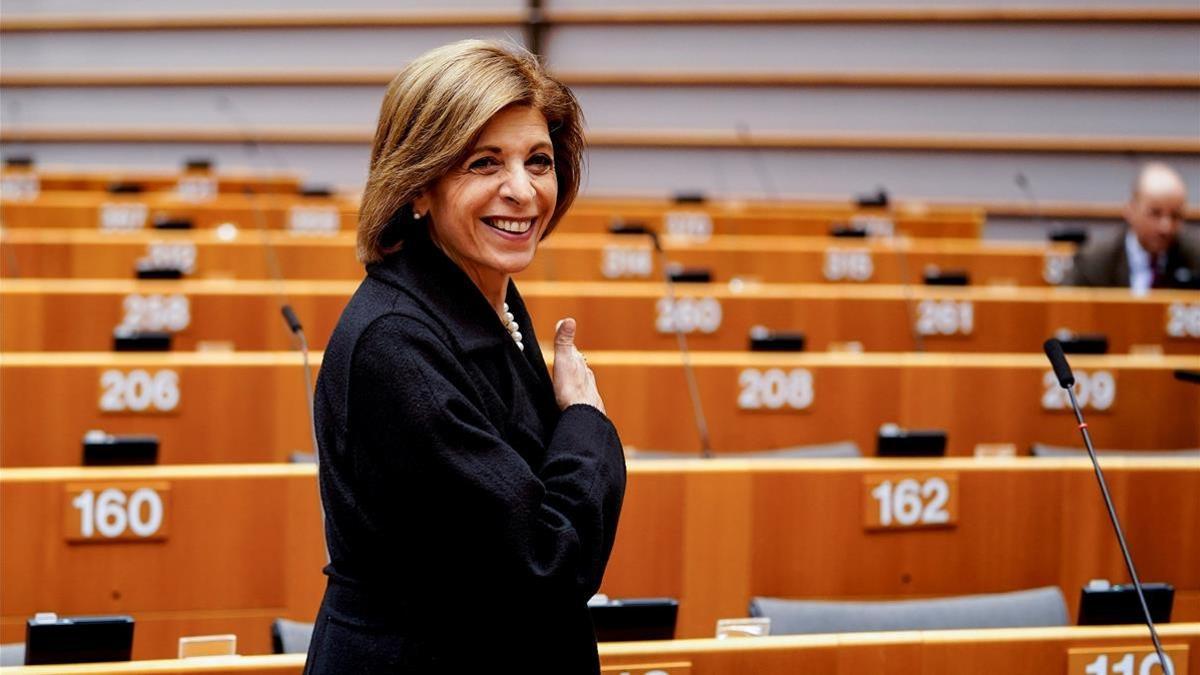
(452,488)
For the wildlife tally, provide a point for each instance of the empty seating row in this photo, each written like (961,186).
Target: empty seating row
(65,253)
(81,314)
(326,214)
(250,407)
(198,181)
(225,547)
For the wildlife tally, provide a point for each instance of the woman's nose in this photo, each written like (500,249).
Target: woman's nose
(517,187)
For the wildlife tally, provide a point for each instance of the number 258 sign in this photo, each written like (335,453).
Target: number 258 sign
(107,512)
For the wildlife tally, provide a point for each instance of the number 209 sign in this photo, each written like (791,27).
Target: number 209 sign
(98,512)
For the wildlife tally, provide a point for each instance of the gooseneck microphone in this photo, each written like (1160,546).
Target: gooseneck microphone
(1066,379)
(293,323)
(688,372)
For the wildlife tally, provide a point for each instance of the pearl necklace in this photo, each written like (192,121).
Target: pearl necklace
(513,329)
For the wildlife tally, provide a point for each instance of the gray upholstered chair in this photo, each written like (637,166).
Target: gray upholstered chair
(842,449)
(1036,607)
(12,654)
(1043,450)
(290,637)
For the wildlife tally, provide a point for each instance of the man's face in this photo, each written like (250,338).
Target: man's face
(1155,216)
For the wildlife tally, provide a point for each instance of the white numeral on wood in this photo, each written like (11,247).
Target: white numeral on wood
(173,255)
(139,391)
(945,317)
(910,502)
(620,262)
(197,188)
(1096,390)
(314,220)
(156,312)
(688,315)
(1124,665)
(775,389)
(1055,267)
(694,224)
(113,512)
(122,216)
(1183,320)
(20,186)
(848,265)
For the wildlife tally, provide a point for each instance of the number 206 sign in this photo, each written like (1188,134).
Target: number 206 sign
(108,512)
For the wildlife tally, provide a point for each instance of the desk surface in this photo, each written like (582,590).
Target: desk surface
(1030,651)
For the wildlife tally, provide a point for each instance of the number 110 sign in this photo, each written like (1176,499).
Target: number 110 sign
(108,512)
(909,500)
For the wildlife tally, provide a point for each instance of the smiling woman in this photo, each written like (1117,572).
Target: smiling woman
(470,499)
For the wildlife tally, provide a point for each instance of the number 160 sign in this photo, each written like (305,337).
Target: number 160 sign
(102,512)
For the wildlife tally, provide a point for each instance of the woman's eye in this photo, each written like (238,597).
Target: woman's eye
(483,163)
(541,163)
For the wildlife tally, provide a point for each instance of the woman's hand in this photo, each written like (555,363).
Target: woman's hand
(573,380)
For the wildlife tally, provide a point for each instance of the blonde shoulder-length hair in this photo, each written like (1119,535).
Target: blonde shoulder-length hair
(430,118)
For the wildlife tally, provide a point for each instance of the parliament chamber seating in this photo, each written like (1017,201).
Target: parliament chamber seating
(225,535)
(81,314)
(753,401)
(565,256)
(229,548)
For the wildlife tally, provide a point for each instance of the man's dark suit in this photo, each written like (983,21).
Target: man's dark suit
(1102,261)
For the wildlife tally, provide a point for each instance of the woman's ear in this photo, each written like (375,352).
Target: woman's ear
(421,204)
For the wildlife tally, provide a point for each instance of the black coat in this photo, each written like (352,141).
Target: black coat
(468,519)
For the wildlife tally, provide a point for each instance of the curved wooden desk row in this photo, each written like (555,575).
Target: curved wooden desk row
(134,212)
(20,182)
(81,314)
(55,253)
(250,407)
(1030,651)
(226,547)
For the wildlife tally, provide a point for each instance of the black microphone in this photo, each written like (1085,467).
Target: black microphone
(688,372)
(1066,379)
(293,323)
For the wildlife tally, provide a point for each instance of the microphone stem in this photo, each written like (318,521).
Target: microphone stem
(688,373)
(1112,515)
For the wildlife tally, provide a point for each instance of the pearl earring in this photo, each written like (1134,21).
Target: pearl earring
(416,216)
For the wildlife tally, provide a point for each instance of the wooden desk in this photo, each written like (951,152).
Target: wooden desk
(80,314)
(89,210)
(80,253)
(60,179)
(1030,651)
(753,401)
(244,541)
(126,212)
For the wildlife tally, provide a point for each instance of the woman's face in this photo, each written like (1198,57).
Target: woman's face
(490,210)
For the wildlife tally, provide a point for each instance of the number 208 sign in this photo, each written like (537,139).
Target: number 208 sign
(109,512)
(910,500)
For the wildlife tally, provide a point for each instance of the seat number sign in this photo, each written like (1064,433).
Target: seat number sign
(909,500)
(109,512)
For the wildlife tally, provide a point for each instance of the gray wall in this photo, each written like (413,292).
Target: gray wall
(1074,48)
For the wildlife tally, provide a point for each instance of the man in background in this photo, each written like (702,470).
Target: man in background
(1156,250)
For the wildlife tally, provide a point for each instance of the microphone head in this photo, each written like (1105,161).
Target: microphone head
(289,315)
(1058,361)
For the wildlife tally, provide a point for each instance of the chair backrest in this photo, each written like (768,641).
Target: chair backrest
(1043,450)
(838,449)
(290,637)
(12,654)
(1037,607)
